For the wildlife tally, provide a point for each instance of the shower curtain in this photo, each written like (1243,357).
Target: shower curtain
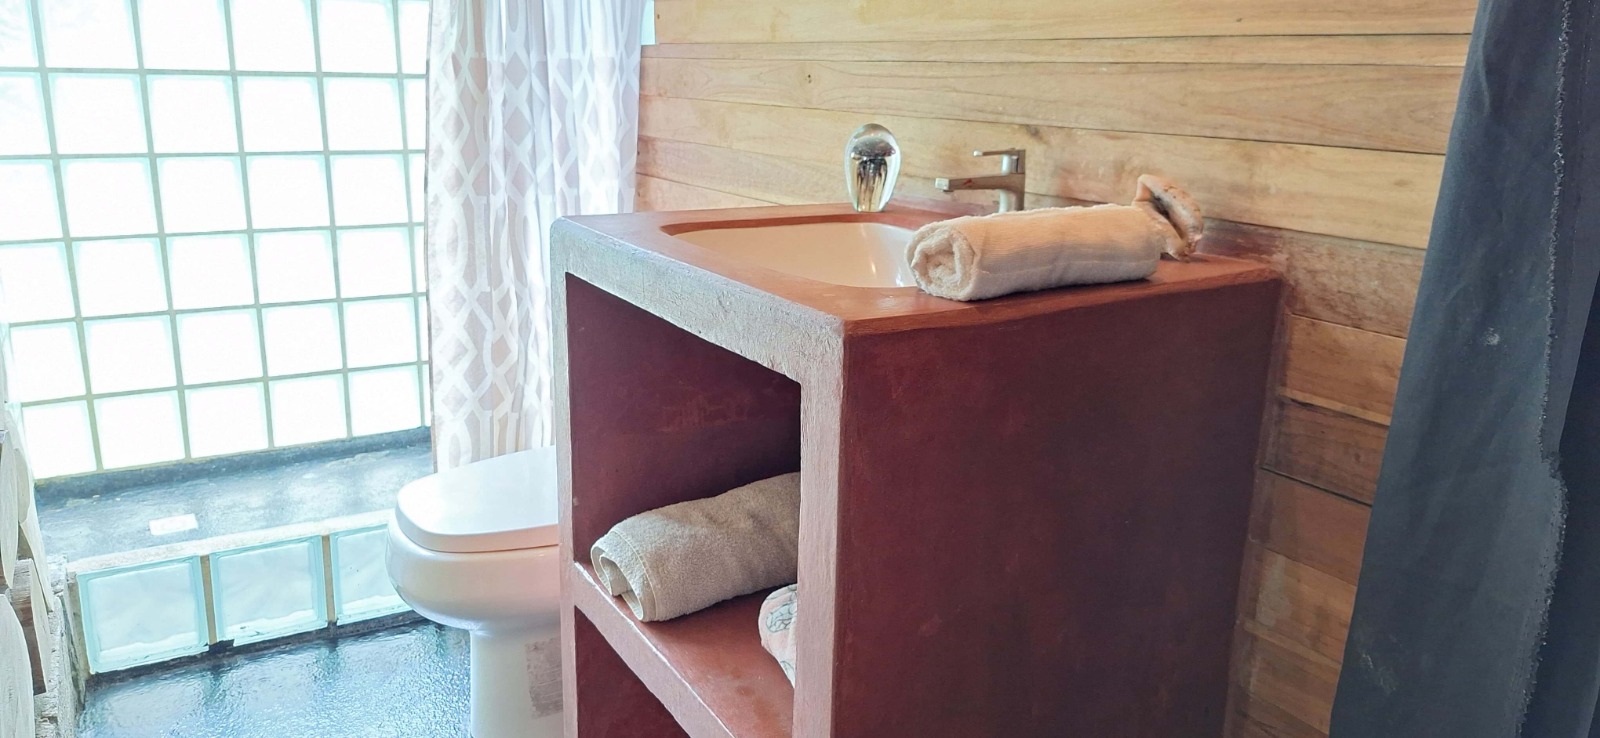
(532,115)
(1478,608)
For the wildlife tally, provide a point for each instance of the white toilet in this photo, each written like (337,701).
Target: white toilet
(475,548)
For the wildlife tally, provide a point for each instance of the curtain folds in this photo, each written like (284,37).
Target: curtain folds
(532,115)
(1478,609)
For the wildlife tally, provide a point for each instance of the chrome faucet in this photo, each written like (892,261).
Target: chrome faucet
(871,166)
(1011,182)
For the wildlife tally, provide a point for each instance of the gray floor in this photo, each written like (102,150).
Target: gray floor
(405,682)
(78,524)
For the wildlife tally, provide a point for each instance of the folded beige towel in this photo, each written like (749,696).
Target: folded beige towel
(975,258)
(777,626)
(685,557)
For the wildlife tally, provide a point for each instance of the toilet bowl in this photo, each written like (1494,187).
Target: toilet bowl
(475,548)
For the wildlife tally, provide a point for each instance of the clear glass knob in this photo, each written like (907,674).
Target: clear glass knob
(871,166)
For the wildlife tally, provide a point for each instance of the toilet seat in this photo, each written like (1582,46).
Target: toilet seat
(502,504)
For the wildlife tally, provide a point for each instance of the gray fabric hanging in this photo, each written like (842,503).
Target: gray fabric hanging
(1478,609)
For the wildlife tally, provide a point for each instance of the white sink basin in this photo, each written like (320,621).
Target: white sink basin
(851,254)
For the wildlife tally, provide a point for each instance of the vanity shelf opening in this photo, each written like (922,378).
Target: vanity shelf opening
(660,416)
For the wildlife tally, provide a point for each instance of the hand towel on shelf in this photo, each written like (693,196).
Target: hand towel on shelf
(686,557)
(778,615)
(975,258)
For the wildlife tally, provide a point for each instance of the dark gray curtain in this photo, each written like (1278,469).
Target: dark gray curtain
(1478,611)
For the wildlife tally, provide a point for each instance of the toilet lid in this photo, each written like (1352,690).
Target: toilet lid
(499,504)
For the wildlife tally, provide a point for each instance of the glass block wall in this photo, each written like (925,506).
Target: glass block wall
(149,612)
(210,224)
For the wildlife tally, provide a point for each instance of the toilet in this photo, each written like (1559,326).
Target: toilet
(476,548)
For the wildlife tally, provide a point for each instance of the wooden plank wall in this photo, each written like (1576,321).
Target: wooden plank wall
(1311,132)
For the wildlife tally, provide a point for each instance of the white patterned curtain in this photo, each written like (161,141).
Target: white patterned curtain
(532,115)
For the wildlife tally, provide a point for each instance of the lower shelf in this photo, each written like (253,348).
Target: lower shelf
(708,668)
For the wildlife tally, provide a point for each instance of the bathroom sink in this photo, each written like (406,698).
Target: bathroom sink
(854,254)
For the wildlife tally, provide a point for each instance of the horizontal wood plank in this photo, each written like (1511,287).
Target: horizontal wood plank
(1294,679)
(766,177)
(1422,51)
(1326,449)
(1342,368)
(1310,526)
(1371,286)
(1376,107)
(664,194)
(765,21)
(1257,718)
(1298,603)
(757,176)
(1353,193)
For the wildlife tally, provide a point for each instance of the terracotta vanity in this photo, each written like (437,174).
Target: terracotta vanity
(1020,517)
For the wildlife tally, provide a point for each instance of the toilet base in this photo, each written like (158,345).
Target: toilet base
(516,684)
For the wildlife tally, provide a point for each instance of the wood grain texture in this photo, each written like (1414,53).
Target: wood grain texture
(1370,286)
(1417,51)
(767,177)
(1258,718)
(1326,449)
(1292,678)
(1402,108)
(767,21)
(1354,193)
(655,193)
(1310,526)
(1342,368)
(1298,603)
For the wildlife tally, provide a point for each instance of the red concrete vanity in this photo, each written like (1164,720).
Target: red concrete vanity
(1020,517)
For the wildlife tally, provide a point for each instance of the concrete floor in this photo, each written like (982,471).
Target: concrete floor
(78,524)
(404,682)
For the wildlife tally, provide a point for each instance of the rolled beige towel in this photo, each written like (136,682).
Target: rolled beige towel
(778,614)
(686,557)
(976,258)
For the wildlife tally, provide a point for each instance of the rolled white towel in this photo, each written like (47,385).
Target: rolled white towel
(675,560)
(975,258)
(778,615)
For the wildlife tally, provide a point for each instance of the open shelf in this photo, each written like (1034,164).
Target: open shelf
(708,667)
(1024,423)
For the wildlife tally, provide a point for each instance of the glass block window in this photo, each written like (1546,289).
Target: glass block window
(142,614)
(232,594)
(361,586)
(269,591)
(210,224)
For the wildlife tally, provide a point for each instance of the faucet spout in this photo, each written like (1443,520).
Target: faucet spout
(1013,182)
(1010,183)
